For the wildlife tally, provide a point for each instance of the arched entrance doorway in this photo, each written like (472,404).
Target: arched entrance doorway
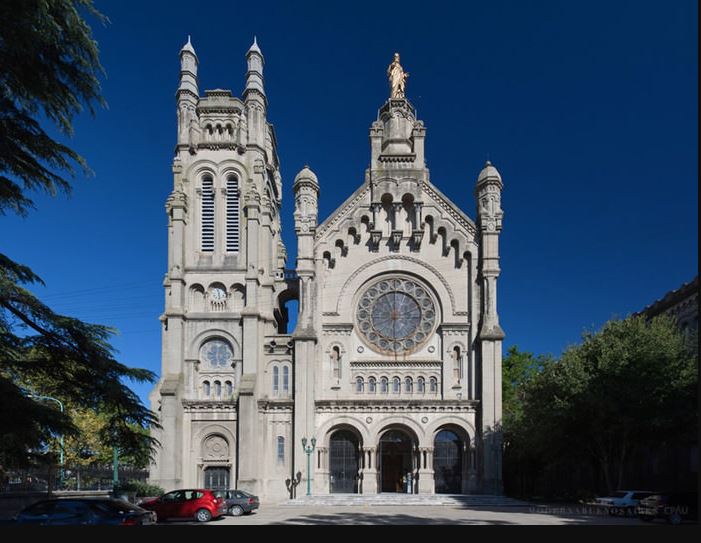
(447,462)
(344,462)
(396,462)
(216,478)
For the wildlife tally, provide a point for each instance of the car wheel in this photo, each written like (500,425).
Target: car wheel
(203,515)
(236,510)
(675,518)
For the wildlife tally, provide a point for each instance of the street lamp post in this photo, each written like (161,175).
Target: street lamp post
(60,439)
(115,466)
(309,450)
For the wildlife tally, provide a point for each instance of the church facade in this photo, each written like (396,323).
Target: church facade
(390,380)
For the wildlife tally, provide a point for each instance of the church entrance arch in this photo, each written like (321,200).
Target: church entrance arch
(397,462)
(344,462)
(448,462)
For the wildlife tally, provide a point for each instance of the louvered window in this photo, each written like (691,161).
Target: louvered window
(207,214)
(232,214)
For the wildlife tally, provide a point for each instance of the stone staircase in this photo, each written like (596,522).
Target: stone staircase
(389,499)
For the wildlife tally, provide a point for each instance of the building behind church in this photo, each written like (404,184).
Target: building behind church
(391,378)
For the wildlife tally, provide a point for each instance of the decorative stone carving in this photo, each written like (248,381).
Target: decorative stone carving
(416,237)
(397,239)
(215,448)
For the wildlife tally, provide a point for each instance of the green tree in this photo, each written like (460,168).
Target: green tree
(49,70)
(518,368)
(628,386)
(639,389)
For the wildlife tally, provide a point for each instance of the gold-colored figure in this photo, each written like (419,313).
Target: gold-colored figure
(397,78)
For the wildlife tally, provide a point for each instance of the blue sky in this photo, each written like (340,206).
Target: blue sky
(588,109)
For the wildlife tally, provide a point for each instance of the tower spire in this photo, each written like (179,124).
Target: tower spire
(254,75)
(188,94)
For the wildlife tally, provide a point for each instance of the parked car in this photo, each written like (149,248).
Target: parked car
(674,507)
(622,502)
(199,504)
(85,511)
(238,502)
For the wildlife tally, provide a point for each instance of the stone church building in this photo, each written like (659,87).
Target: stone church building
(390,380)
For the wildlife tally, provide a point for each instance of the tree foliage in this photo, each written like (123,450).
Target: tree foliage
(629,386)
(49,66)
(49,70)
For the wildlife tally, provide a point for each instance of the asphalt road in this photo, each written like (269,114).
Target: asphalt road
(395,515)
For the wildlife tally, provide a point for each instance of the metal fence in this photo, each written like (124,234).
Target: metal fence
(51,478)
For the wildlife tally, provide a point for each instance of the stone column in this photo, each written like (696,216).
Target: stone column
(369,471)
(426,483)
(322,470)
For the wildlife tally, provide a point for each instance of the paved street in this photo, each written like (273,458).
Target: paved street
(441,514)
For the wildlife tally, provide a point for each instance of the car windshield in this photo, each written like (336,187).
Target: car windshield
(639,495)
(115,506)
(619,494)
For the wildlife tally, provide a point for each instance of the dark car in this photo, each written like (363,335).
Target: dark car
(199,504)
(238,502)
(674,507)
(85,511)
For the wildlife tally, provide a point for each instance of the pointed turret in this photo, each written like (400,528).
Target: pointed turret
(188,70)
(188,92)
(254,75)
(254,97)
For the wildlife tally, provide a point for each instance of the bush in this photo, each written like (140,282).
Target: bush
(139,488)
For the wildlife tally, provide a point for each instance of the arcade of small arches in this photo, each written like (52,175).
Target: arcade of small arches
(217,297)
(400,221)
(396,460)
(396,385)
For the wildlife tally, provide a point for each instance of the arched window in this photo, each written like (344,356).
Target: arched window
(285,380)
(276,380)
(207,214)
(228,389)
(384,385)
(408,385)
(205,389)
(232,214)
(217,389)
(433,384)
(396,385)
(280,450)
(421,385)
(359,384)
(372,385)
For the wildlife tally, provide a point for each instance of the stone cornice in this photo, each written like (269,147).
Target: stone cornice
(341,211)
(445,204)
(396,406)
(267,406)
(389,365)
(210,405)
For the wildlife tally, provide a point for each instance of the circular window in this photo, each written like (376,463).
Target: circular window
(217,354)
(396,315)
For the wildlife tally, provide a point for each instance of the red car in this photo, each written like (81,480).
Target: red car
(201,505)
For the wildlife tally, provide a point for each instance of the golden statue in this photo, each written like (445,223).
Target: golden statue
(397,78)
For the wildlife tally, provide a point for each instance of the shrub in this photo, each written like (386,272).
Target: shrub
(139,488)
